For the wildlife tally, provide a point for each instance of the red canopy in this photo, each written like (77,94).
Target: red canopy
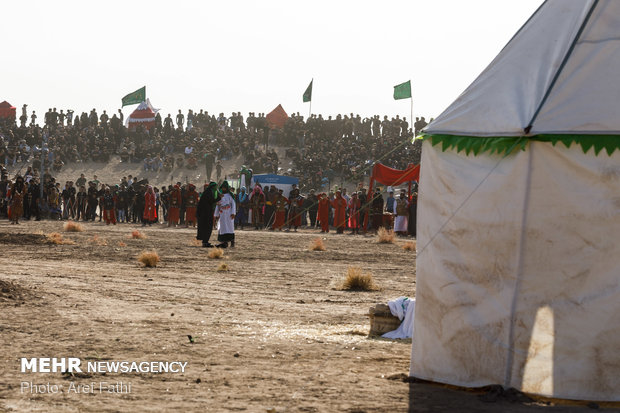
(6,110)
(143,115)
(276,118)
(392,177)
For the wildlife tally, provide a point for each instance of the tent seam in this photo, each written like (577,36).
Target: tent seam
(562,66)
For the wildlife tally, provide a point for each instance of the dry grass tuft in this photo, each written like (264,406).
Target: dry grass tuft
(71,226)
(215,253)
(121,244)
(223,267)
(409,246)
(135,234)
(317,245)
(149,258)
(98,241)
(56,238)
(355,280)
(385,236)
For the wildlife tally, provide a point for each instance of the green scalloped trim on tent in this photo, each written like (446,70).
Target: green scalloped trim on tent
(504,145)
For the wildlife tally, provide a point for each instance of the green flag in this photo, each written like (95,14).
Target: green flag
(308,92)
(402,91)
(138,96)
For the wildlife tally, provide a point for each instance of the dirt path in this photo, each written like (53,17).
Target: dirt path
(270,333)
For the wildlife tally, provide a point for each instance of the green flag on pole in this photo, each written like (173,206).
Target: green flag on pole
(138,96)
(402,91)
(308,92)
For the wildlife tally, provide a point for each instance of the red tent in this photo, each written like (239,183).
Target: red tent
(7,111)
(143,115)
(276,118)
(392,177)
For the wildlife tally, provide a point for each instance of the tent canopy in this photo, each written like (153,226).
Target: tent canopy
(394,177)
(276,118)
(557,76)
(518,260)
(144,114)
(7,111)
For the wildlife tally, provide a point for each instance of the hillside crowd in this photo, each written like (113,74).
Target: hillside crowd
(321,149)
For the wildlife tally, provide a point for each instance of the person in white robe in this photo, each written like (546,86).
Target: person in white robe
(225,211)
(401,213)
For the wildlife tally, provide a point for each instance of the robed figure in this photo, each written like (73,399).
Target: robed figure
(204,213)
(150,207)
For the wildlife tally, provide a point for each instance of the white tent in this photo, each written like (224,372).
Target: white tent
(518,268)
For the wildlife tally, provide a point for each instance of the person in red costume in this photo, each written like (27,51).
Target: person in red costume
(150,207)
(340,205)
(191,200)
(324,212)
(175,204)
(279,203)
(354,214)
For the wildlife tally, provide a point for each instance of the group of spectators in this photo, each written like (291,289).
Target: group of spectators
(133,200)
(321,151)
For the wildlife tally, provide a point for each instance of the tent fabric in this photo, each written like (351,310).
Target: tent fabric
(518,254)
(518,284)
(279,181)
(144,114)
(394,177)
(557,75)
(276,118)
(7,111)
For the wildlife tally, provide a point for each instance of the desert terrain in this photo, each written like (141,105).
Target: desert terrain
(273,333)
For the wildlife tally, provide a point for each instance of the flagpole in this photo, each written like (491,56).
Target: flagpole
(310,110)
(411,118)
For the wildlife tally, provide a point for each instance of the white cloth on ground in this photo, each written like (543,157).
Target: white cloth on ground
(402,307)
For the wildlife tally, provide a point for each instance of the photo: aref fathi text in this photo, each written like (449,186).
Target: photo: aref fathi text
(119,387)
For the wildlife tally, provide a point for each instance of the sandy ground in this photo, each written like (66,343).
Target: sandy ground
(272,334)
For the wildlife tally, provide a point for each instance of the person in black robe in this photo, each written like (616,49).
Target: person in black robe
(413,209)
(204,213)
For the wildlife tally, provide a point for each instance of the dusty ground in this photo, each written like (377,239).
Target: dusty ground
(271,334)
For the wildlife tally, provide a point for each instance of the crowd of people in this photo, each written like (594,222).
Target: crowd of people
(322,150)
(134,201)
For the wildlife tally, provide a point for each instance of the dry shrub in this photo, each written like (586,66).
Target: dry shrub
(98,241)
(317,245)
(121,244)
(385,236)
(71,226)
(409,246)
(355,280)
(135,234)
(215,253)
(149,258)
(56,238)
(223,267)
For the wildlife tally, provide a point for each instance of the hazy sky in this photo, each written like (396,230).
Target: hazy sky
(243,55)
